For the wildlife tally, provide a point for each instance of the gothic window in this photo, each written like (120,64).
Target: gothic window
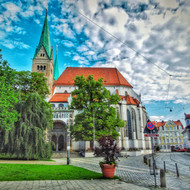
(130,132)
(38,67)
(44,67)
(41,67)
(134,122)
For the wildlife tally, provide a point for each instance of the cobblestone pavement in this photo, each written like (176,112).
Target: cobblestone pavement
(182,160)
(68,185)
(133,170)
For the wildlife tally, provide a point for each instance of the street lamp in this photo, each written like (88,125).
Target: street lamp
(68,143)
(94,131)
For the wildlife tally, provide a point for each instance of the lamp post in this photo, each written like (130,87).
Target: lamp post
(68,143)
(94,131)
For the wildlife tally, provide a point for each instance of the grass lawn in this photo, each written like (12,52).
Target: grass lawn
(18,172)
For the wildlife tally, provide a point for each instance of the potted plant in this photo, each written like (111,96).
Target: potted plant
(109,150)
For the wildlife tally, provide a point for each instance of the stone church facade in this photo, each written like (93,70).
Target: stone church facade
(129,108)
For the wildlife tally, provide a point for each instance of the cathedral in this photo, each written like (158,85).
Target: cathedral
(129,108)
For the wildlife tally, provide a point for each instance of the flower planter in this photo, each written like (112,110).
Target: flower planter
(108,170)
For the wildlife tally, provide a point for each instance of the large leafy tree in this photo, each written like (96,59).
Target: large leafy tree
(27,82)
(8,96)
(24,114)
(26,140)
(96,108)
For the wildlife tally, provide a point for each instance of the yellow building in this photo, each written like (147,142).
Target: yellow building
(170,135)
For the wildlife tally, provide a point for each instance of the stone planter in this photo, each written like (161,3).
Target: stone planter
(133,153)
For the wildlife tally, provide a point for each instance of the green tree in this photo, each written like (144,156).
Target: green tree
(26,139)
(95,106)
(8,96)
(27,82)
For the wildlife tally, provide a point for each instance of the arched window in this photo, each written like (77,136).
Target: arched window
(41,67)
(38,67)
(44,67)
(61,105)
(134,122)
(130,132)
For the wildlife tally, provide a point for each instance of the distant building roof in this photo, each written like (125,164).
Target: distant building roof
(111,76)
(187,116)
(60,97)
(161,124)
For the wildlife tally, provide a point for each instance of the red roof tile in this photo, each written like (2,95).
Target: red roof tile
(161,124)
(178,123)
(187,116)
(111,76)
(130,100)
(59,97)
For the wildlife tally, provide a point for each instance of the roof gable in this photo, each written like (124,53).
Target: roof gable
(111,76)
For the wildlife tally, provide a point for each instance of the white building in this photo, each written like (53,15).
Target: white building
(186,132)
(129,108)
(170,135)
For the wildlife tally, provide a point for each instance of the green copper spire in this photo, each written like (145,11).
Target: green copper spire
(55,68)
(45,40)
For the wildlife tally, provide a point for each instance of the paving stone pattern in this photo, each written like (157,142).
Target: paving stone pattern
(133,170)
(182,160)
(69,185)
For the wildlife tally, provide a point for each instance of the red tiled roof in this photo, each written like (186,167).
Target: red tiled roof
(111,76)
(59,97)
(53,89)
(159,124)
(178,123)
(130,100)
(187,116)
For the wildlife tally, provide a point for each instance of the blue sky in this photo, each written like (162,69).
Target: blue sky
(157,29)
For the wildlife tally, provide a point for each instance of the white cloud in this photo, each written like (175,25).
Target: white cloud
(157,118)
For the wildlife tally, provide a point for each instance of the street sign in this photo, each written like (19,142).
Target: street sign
(150,125)
(150,128)
(151,135)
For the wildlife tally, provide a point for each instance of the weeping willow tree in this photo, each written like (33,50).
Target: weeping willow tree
(26,140)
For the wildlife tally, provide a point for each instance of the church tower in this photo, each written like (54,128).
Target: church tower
(43,57)
(56,68)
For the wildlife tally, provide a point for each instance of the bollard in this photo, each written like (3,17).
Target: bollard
(164,166)
(177,170)
(162,178)
(149,163)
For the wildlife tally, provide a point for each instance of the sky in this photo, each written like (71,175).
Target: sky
(148,41)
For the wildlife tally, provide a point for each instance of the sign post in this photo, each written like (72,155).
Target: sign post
(151,131)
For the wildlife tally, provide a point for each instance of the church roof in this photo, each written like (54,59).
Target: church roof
(111,76)
(60,97)
(55,69)
(45,40)
(130,100)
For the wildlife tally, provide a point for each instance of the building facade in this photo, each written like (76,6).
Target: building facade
(129,108)
(186,132)
(170,135)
